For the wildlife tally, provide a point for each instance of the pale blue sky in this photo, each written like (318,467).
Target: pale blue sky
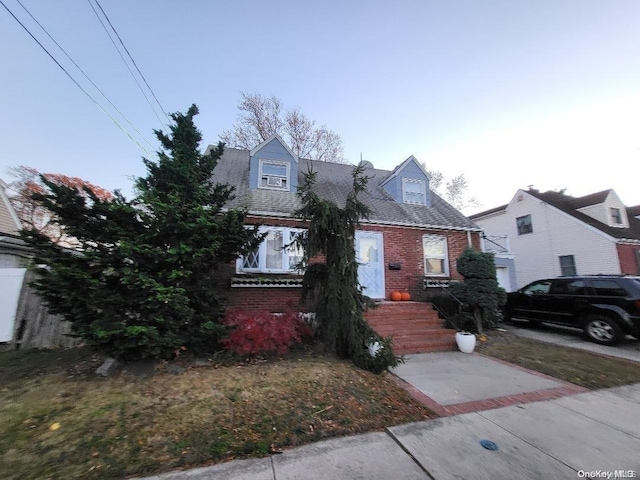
(511,93)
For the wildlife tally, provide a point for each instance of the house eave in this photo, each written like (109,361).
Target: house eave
(382,223)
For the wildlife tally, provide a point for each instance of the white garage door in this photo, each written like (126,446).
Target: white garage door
(502,274)
(10,286)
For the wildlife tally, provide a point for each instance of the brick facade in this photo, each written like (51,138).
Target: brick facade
(629,256)
(402,245)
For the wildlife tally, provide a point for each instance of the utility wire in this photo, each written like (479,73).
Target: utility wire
(85,75)
(74,80)
(133,61)
(125,62)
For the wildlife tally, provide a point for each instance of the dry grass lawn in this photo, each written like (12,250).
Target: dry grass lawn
(572,365)
(59,420)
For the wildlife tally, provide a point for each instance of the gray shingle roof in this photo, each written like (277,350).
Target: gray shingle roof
(334,183)
(570,205)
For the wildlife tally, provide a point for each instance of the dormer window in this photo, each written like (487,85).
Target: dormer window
(414,191)
(616,216)
(274,175)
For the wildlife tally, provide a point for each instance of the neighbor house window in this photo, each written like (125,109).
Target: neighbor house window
(275,254)
(524,225)
(616,216)
(435,255)
(567,265)
(414,191)
(274,175)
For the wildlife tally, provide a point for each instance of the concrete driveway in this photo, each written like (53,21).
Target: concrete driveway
(628,349)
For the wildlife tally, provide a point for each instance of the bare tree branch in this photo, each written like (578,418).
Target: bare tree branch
(261,117)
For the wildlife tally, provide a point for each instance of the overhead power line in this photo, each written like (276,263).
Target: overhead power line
(83,73)
(130,57)
(73,79)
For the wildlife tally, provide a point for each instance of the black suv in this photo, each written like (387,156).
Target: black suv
(606,307)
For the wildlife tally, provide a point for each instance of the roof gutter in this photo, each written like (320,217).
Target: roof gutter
(374,222)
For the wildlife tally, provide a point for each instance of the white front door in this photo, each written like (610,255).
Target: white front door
(370,257)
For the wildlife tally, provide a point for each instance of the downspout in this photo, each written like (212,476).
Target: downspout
(469,239)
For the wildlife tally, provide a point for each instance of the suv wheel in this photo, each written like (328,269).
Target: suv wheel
(602,330)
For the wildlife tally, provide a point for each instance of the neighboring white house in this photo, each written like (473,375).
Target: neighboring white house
(552,234)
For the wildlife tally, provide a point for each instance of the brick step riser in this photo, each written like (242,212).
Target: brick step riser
(399,322)
(398,318)
(417,334)
(405,308)
(424,332)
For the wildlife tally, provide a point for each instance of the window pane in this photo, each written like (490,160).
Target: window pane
(274,250)
(414,191)
(567,265)
(274,169)
(569,287)
(433,247)
(368,250)
(434,265)
(252,260)
(295,252)
(412,187)
(609,288)
(524,225)
(539,287)
(615,216)
(435,255)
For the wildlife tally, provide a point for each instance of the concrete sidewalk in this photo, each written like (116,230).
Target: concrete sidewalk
(560,439)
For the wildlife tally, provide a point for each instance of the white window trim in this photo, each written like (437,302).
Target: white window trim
(262,254)
(445,273)
(264,161)
(423,190)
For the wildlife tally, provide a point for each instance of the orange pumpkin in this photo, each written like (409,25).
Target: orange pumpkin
(396,296)
(405,296)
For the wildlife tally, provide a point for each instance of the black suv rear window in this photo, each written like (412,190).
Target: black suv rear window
(569,287)
(608,288)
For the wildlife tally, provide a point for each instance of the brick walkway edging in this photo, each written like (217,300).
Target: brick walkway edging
(497,402)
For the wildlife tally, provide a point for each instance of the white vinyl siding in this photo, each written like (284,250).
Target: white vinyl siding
(555,233)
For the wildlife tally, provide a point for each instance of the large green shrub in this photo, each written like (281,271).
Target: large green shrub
(480,293)
(139,279)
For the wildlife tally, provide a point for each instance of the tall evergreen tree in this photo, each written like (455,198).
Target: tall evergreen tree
(142,281)
(340,301)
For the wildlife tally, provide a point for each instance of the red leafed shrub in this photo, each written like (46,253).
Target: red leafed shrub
(264,332)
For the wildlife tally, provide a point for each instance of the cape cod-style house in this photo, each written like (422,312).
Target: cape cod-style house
(409,242)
